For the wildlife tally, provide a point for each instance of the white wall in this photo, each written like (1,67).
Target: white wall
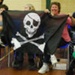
(19,4)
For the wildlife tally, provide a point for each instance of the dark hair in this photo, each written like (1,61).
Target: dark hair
(73,15)
(4,6)
(56,3)
(1,2)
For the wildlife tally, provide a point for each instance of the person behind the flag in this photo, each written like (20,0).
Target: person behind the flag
(71,68)
(6,26)
(55,10)
(31,56)
(2,8)
(30,7)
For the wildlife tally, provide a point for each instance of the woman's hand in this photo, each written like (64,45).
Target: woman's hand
(1,10)
(47,11)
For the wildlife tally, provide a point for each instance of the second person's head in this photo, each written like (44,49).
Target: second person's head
(55,8)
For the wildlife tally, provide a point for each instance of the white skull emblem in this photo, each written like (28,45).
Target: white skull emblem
(31,23)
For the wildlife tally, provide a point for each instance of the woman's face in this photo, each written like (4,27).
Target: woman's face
(54,9)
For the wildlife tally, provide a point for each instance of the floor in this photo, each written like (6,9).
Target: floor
(4,70)
(11,71)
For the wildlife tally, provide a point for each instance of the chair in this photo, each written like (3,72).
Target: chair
(65,47)
(71,59)
(4,52)
(71,49)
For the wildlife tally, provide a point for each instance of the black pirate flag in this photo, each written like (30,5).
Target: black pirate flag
(36,31)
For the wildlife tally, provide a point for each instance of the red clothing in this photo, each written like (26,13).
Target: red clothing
(65,34)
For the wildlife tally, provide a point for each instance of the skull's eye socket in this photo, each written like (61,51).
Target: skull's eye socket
(28,22)
(35,23)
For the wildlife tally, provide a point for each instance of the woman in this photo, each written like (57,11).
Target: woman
(18,63)
(2,8)
(6,26)
(30,7)
(55,10)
